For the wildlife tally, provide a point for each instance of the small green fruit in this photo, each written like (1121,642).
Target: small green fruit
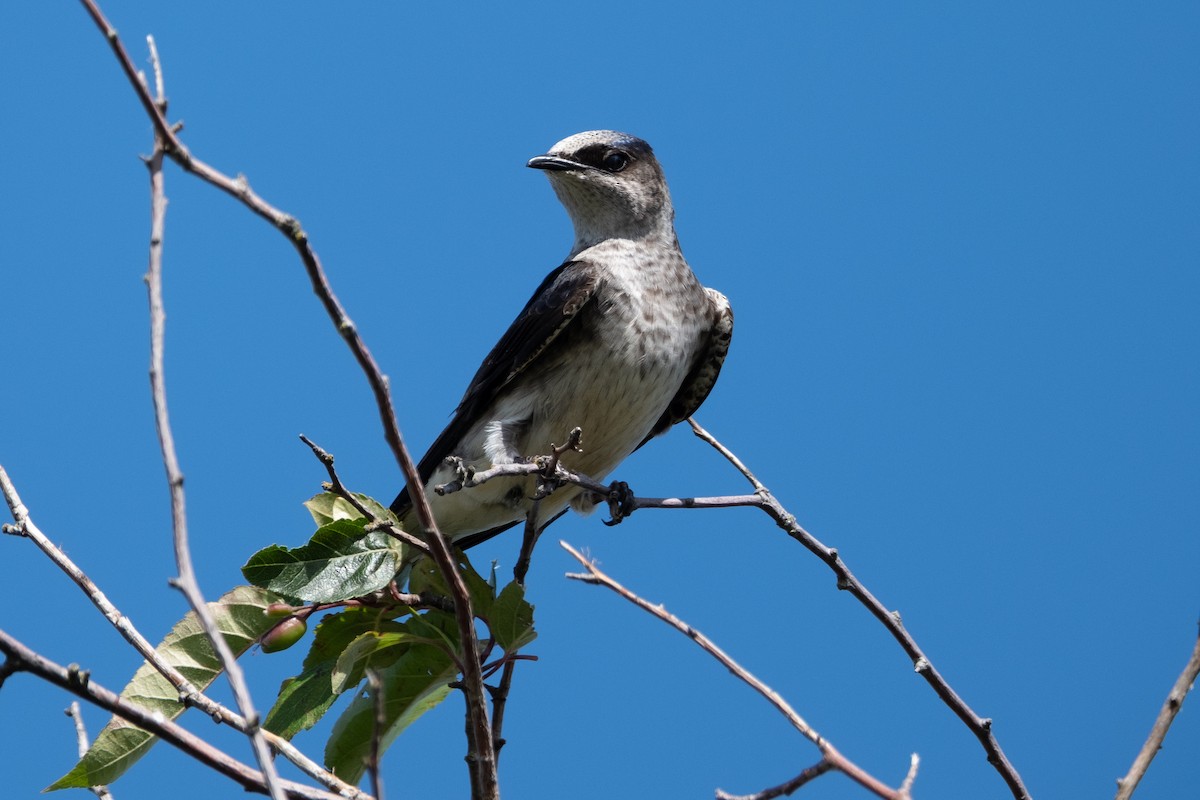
(284,635)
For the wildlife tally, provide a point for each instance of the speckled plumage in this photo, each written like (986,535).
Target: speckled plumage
(621,341)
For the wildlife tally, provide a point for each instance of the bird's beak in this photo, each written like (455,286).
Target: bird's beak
(554,164)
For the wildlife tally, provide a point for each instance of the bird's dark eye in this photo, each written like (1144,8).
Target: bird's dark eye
(615,161)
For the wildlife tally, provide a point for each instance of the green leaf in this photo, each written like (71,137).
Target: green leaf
(369,651)
(328,507)
(438,628)
(426,576)
(338,563)
(240,616)
(511,620)
(415,683)
(304,699)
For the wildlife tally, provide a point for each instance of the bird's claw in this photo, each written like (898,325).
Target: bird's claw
(621,502)
(462,470)
(463,473)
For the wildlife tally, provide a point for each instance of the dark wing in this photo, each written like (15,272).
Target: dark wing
(703,374)
(554,304)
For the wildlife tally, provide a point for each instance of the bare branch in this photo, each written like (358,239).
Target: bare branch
(481,756)
(19,658)
(187,582)
(1166,715)
(831,754)
(82,744)
(499,693)
(188,692)
(911,778)
(765,501)
(337,487)
(725,451)
(785,788)
(981,727)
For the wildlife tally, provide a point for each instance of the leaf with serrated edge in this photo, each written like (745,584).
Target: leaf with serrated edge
(338,563)
(240,615)
(511,620)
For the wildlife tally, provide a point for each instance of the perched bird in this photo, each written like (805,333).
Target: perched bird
(621,341)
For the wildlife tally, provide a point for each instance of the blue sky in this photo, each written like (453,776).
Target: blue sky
(962,242)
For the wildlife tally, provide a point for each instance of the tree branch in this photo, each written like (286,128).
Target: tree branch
(481,755)
(785,788)
(981,727)
(189,694)
(1166,715)
(830,753)
(336,486)
(186,581)
(82,744)
(19,658)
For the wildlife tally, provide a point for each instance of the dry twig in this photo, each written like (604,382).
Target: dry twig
(82,744)
(336,486)
(186,582)
(19,658)
(1162,723)
(763,500)
(981,727)
(830,754)
(188,692)
(481,756)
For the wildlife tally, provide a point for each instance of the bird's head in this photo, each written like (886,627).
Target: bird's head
(612,186)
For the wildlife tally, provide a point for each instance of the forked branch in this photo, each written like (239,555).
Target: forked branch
(481,756)
(830,754)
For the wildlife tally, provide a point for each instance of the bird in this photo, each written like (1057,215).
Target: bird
(621,340)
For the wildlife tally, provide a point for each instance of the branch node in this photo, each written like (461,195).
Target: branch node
(290,225)
(77,676)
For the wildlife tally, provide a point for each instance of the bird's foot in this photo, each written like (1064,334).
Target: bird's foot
(621,502)
(463,473)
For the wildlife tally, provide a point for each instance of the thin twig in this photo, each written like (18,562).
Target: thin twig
(500,692)
(911,778)
(557,473)
(378,726)
(19,658)
(763,500)
(729,456)
(337,487)
(596,576)
(785,788)
(82,745)
(481,755)
(189,694)
(1166,715)
(981,727)
(186,581)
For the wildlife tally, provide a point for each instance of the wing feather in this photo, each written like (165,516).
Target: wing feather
(551,309)
(703,375)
